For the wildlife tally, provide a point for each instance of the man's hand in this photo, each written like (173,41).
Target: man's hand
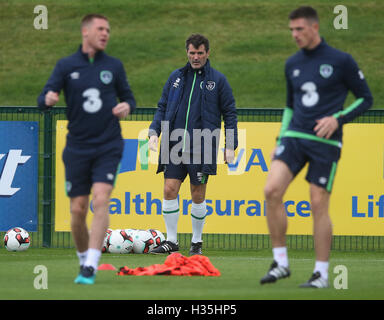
(152,144)
(121,110)
(51,98)
(229,156)
(326,127)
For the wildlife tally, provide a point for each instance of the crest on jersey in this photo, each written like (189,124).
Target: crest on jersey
(279,150)
(326,70)
(75,75)
(210,85)
(106,76)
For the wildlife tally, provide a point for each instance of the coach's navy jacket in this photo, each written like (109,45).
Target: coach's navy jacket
(216,100)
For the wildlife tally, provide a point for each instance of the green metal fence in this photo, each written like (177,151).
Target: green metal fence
(46,236)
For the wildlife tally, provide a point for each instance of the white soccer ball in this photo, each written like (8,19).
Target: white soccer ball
(17,239)
(143,242)
(119,242)
(131,232)
(157,236)
(106,243)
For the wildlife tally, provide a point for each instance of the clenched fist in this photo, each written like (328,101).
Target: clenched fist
(121,110)
(153,141)
(51,98)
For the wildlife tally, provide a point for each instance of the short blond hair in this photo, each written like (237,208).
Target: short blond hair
(89,18)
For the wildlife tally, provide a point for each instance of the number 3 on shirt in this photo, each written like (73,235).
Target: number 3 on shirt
(310,96)
(93,102)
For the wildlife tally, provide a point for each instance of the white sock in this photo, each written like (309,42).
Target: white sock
(93,258)
(322,267)
(280,255)
(82,256)
(171,214)
(198,213)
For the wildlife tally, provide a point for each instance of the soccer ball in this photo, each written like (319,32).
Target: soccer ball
(157,236)
(143,242)
(119,242)
(17,239)
(131,232)
(105,243)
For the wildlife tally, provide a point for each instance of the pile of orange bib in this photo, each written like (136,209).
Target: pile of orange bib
(175,265)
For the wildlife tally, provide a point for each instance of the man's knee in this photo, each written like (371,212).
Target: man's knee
(278,180)
(101,195)
(198,197)
(171,190)
(273,192)
(79,207)
(100,200)
(319,200)
(198,193)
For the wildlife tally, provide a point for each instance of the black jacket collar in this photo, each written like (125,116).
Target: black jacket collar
(205,69)
(316,49)
(98,55)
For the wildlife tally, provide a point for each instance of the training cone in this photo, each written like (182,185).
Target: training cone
(106,266)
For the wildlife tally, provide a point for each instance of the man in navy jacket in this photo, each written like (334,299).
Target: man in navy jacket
(189,113)
(93,82)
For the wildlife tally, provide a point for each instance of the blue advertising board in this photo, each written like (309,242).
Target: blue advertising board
(18,175)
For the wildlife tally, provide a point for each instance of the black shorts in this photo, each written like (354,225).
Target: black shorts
(322,159)
(86,165)
(180,171)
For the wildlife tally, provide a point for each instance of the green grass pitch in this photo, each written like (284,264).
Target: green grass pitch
(250,42)
(239,280)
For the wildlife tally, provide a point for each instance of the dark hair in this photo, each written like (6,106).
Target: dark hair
(197,40)
(305,12)
(89,17)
